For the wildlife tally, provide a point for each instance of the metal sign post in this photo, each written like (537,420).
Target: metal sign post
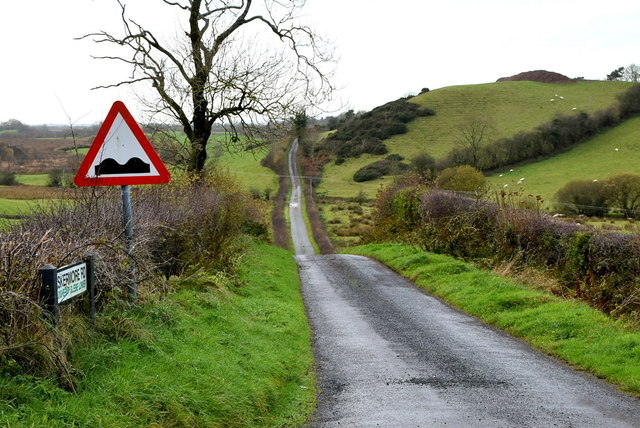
(127,214)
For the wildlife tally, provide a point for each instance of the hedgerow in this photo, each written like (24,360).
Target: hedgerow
(180,228)
(599,267)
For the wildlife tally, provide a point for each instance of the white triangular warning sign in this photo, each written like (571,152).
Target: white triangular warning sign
(121,154)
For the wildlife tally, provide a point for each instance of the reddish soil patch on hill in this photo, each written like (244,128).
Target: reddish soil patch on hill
(538,76)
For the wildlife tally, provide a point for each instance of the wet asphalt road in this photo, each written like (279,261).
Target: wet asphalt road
(301,242)
(389,355)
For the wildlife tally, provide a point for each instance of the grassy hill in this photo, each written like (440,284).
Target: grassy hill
(594,160)
(508,107)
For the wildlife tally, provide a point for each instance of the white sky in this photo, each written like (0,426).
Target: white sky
(387,49)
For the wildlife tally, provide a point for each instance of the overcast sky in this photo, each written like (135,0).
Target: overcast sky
(386,49)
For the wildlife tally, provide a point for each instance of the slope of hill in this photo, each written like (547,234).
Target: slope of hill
(507,107)
(614,151)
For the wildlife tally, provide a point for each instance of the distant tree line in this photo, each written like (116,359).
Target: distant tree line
(13,129)
(558,135)
(630,73)
(619,193)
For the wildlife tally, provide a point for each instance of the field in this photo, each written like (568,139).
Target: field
(507,107)
(594,160)
(346,219)
(33,179)
(245,166)
(44,154)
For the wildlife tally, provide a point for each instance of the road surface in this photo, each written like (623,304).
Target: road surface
(389,355)
(301,241)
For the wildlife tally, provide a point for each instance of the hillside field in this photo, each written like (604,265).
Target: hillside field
(594,160)
(507,107)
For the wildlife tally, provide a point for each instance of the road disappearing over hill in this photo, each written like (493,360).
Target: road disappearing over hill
(301,242)
(389,355)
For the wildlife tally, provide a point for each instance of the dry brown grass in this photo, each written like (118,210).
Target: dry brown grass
(45,154)
(531,277)
(33,192)
(350,220)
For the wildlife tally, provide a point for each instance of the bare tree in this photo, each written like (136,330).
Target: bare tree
(220,71)
(473,134)
(631,73)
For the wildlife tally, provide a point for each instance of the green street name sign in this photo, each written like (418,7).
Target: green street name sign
(71,281)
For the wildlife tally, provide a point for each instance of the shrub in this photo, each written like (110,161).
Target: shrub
(8,178)
(624,193)
(462,179)
(58,178)
(391,165)
(630,101)
(583,197)
(364,133)
(424,165)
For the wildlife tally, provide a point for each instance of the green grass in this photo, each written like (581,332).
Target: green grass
(245,166)
(567,329)
(196,357)
(33,179)
(80,151)
(594,160)
(508,107)
(18,206)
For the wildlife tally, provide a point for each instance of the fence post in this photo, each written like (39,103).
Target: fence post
(90,260)
(49,293)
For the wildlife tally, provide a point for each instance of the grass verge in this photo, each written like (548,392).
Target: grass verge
(205,355)
(570,330)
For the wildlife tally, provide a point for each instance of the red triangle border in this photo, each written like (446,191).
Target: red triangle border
(81,178)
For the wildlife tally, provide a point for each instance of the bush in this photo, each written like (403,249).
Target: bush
(462,179)
(58,178)
(624,193)
(424,165)
(364,133)
(391,165)
(8,178)
(583,197)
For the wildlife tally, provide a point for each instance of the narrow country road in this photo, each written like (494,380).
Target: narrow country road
(389,355)
(301,242)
